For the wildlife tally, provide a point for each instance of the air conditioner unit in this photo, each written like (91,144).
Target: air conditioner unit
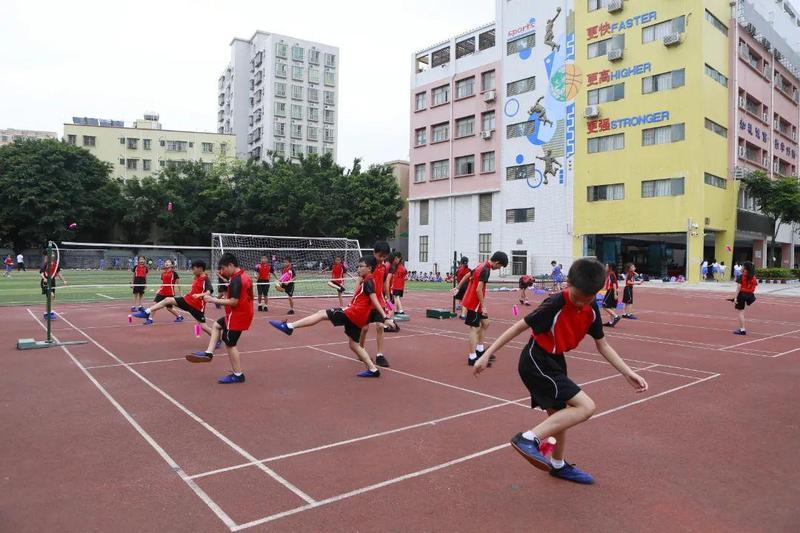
(486,134)
(591,111)
(672,39)
(742,102)
(489,96)
(766,44)
(615,54)
(738,173)
(741,151)
(614,6)
(778,55)
(750,28)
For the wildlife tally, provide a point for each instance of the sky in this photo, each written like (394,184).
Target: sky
(116,60)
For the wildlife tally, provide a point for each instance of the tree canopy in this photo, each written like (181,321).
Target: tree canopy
(778,199)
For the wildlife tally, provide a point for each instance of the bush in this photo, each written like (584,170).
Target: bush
(796,273)
(775,273)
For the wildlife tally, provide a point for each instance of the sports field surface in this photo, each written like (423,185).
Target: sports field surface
(122,434)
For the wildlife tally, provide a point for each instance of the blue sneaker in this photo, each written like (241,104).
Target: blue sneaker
(133,308)
(529,449)
(739,332)
(629,316)
(231,378)
(148,321)
(179,319)
(200,357)
(141,314)
(369,374)
(570,473)
(140,308)
(282,326)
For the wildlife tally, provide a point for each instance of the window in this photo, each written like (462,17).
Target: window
(297,92)
(465,165)
(280,148)
(297,150)
(440,132)
(313,95)
(330,78)
(132,164)
(520,172)
(606,94)
(486,40)
(280,89)
(715,181)
(465,87)
(487,121)
(281,49)
(146,164)
(223,148)
(313,133)
(89,140)
(420,136)
(598,48)
(465,47)
(280,70)
(440,170)
(330,60)
(133,144)
(313,75)
(328,136)
(518,216)
(176,146)
(597,4)
(660,30)
(666,187)
(312,150)
(298,54)
(297,111)
(715,75)
(716,128)
(440,95)
(485,207)
(663,82)
(297,72)
(487,162)
(423,212)
(207,148)
(313,114)
(297,131)
(487,81)
(146,143)
(122,162)
(520,129)
(313,56)
(596,193)
(484,246)
(280,109)
(465,127)
(280,129)
(518,45)
(716,23)
(328,98)
(329,116)
(419,101)
(423,248)
(662,135)
(521,86)
(122,140)
(419,173)
(440,57)
(606,143)
(71,139)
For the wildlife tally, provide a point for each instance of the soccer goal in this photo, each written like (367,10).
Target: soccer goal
(311,258)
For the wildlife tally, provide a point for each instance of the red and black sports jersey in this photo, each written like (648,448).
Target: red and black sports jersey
(240,316)
(289,269)
(263,270)
(361,306)
(337,272)
(168,279)
(747,283)
(559,326)
(526,280)
(481,273)
(52,270)
(462,271)
(611,281)
(379,276)
(140,271)
(399,276)
(200,285)
(8,261)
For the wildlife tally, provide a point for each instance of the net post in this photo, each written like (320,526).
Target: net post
(49,291)
(454,268)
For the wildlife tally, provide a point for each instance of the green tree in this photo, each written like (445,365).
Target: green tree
(45,185)
(778,199)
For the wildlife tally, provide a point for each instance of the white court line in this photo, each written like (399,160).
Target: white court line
(422,472)
(105,296)
(216,509)
(762,339)
(785,353)
(238,449)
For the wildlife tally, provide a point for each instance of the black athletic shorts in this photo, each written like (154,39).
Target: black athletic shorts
(43,284)
(526,285)
(398,292)
(338,318)
(473,318)
(376,317)
(744,298)
(262,287)
(461,292)
(139,285)
(610,300)
(160,297)
(545,376)
(627,295)
(180,301)
(229,336)
(288,288)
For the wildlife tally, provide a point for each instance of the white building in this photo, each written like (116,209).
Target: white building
(280,94)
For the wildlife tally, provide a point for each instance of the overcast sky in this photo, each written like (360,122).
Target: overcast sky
(110,59)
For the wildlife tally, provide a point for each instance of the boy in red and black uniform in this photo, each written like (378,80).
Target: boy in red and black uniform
(477,316)
(263,270)
(193,302)
(139,284)
(238,302)
(610,299)
(525,283)
(627,293)
(50,270)
(287,285)
(355,317)
(397,282)
(380,251)
(463,270)
(558,325)
(746,285)
(337,278)
(169,282)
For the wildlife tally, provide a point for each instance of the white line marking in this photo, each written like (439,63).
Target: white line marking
(761,339)
(422,472)
(241,451)
(105,296)
(146,436)
(785,353)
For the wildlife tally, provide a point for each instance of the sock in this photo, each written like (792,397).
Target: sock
(557,463)
(479,348)
(473,355)
(147,310)
(290,325)
(238,374)
(379,354)
(530,435)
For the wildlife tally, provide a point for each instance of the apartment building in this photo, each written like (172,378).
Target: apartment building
(8,136)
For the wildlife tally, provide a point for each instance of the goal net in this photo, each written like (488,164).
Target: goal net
(311,257)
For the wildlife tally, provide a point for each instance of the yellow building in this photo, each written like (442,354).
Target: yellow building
(652,183)
(146,147)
